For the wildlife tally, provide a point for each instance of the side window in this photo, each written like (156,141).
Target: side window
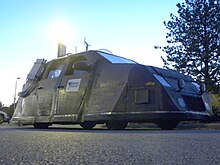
(55,73)
(53,69)
(78,67)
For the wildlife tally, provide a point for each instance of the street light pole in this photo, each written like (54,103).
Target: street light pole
(15,91)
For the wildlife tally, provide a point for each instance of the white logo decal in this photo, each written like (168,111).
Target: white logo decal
(73,85)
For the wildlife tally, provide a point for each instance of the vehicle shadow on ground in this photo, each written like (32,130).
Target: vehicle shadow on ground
(102,129)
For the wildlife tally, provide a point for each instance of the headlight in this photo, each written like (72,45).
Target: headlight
(203,87)
(181,102)
(181,83)
(208,108)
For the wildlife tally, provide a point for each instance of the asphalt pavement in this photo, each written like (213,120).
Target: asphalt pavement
(72,145)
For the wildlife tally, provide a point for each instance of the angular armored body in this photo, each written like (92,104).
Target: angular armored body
(95,87)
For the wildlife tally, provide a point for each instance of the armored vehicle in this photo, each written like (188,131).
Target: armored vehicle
(95,87)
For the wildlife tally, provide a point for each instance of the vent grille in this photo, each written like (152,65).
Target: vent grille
(194,103)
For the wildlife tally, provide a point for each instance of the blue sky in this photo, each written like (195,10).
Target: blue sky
(128,28)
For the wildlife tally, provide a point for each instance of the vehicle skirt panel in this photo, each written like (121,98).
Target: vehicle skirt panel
(153,116)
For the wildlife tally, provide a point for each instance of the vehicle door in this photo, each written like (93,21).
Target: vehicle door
(47,89)
(73,87)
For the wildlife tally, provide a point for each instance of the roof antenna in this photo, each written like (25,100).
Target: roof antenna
(87,45)
(61,50)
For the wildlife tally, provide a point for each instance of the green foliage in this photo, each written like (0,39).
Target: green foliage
(216,101)
(194,41)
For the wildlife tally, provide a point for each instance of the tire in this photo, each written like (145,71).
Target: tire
(167,125)
(1,119)
(88,125)
(117,125)
(41,125)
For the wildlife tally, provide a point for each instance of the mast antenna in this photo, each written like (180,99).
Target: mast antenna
(86,43)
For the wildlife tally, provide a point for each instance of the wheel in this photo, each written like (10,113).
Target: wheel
(1,119)
(167,125)
(116,125)
(88,125)
(41,125)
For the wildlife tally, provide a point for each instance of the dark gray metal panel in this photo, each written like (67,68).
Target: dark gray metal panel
(46,96)
(107,88)
(69,101)
(142,96)
(141,79)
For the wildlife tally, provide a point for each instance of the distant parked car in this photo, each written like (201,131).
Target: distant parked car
(3,117)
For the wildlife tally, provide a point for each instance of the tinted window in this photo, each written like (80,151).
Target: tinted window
(162,80)
(78,66)
(116,59)
(55,73)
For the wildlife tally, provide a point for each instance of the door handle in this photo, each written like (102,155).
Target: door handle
(40,87)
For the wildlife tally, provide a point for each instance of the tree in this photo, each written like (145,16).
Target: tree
(194,41)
